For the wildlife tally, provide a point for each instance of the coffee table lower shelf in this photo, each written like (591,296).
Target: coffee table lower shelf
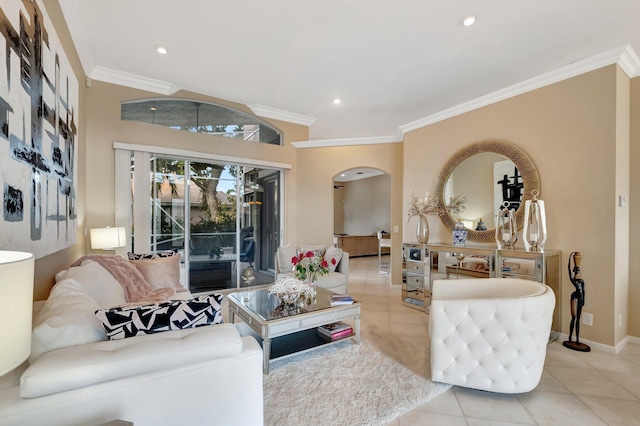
(295,343)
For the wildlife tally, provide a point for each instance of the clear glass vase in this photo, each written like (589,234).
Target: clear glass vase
(534,233)
(506,229)
(422,230)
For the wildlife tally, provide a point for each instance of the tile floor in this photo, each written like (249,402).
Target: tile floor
(595,388)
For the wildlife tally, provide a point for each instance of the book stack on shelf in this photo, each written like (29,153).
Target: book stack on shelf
(340,299)
(335,331)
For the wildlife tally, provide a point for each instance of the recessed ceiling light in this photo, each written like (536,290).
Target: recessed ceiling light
(468,20)
(336,101)
(162,50)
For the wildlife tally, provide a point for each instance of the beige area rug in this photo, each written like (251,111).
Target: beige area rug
(346,384)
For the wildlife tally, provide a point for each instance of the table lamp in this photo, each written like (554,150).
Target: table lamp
(16,307)
(108,238)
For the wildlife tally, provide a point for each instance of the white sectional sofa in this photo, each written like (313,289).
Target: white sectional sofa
(336,280)
(197,376)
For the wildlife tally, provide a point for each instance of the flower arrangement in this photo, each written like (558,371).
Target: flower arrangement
(289,290)
(431,205)
(308,267)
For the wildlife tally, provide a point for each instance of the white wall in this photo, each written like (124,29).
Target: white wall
(366,207)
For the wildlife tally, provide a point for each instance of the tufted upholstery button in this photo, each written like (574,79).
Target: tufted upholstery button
(490,342)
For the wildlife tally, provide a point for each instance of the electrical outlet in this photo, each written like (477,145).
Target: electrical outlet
(587,319)
(396,229)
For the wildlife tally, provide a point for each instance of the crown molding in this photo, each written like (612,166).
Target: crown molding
(82,44)
(624,56)
(630,62)
(132,80)
(326,143)
(278,114)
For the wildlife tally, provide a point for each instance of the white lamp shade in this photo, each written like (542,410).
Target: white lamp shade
(108,238)
(16,308)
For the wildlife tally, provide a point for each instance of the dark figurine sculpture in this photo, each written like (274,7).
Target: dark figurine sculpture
(577,302)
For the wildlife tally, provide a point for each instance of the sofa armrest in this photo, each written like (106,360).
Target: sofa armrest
(343,265)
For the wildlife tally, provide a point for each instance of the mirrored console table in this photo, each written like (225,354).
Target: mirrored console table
(424,263)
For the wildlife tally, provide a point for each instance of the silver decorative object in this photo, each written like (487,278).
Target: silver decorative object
(534,233)
(506,229)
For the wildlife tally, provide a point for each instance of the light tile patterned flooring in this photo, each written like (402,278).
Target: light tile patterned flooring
(594,388)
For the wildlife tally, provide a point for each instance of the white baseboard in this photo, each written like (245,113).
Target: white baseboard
(600,346)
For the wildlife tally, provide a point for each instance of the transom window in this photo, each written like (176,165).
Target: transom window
(200,117)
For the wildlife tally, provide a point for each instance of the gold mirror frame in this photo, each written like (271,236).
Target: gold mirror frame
(522,161)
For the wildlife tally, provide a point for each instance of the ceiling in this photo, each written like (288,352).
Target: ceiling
(394,65)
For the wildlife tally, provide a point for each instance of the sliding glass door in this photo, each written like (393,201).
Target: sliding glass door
(223,219)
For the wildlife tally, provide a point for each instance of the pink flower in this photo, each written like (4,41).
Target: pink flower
(309,254)
(324,264)
(294,260)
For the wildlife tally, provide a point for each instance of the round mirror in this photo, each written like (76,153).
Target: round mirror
(487,173)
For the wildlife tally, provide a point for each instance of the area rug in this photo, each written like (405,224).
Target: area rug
(343,384)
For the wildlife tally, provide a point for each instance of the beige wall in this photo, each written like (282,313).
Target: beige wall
(569,131)
(315,198)
(634,205)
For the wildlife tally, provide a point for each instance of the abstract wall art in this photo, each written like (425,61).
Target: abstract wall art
(38,134)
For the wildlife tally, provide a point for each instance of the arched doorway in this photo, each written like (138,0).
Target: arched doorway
(362,208)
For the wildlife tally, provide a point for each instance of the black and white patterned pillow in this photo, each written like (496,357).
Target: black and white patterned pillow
(138,256)
(122,322)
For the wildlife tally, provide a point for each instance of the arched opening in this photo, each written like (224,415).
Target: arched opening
(362,212)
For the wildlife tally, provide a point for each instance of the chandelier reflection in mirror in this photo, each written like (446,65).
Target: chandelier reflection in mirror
(534,232)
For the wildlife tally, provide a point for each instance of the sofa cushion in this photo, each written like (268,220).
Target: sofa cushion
(96,281)
(334,281)
(129,321)
(330,254)
(285,254)
(159,269)
(85,365)
(66,319)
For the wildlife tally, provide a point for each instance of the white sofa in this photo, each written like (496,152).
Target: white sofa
(336,281)
(197,376)
(490,334)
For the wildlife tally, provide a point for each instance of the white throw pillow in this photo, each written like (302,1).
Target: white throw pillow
(285,254)
(66,319)
(318,251)
(97,282)
(333,253)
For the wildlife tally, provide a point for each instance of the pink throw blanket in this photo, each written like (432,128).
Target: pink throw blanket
(136,287)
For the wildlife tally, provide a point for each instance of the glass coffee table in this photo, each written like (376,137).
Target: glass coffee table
(284,332)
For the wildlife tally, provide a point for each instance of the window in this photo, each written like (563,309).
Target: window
(200,117)
(223,217)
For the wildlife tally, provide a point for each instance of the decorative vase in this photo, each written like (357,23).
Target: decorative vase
(506,229)
(459,235)
(422,230)
(534,233)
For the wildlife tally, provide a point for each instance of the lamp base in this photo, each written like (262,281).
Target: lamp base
(576,346)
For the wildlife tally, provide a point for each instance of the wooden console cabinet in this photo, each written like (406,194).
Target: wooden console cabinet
(360,245)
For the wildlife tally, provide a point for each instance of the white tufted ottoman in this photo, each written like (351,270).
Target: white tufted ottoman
(490,334)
